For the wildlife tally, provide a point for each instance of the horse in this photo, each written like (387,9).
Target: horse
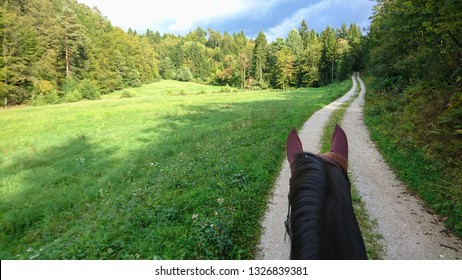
(321,222)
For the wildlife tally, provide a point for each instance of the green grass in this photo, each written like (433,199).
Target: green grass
(156,176)
(413,132)
(372,239)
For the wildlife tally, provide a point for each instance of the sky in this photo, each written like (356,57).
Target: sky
(274,17)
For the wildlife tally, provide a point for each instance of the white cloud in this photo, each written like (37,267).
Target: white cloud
(182,16)
(177,16)
(307,13)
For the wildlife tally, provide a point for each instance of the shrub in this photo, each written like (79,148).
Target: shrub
(68,86)
(89,90)
(72,96)
(44,99)
(226,89)
(127,94)
(263,85)
(43,87)
(184,74)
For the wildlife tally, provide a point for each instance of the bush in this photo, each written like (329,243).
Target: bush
(199,81)
(44,99)
(72,96)
(127,94)
(43,87)
(184,74)
(226,89)
(89,90)
(68,86)
(263,85)
(169,74)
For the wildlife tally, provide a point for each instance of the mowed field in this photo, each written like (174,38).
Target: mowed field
(179,171)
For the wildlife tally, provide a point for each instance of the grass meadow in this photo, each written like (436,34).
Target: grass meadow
(178,171)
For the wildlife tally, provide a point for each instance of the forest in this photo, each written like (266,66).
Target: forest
(61,51)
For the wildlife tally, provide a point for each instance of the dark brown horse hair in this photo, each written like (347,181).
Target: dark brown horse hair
(321,221)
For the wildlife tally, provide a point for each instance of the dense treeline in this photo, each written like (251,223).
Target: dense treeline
(415,52)
(60,50)
(412,41)
(415,56)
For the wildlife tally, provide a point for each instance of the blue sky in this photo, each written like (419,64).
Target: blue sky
(275,17)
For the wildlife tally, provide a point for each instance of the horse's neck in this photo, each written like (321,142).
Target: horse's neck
(322,220)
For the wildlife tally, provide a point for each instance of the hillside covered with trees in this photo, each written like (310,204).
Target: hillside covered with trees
(60,50)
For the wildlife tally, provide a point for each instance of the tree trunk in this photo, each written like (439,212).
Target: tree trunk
(67,57)
(261,69)
(243,79)
(332,70)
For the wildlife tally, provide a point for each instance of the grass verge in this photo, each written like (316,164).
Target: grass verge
(417,133)
(156,176)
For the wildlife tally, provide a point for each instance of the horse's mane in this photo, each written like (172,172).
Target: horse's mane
(321,222)
(308,186)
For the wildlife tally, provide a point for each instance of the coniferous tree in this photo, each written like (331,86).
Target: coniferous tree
(272,61)
(329,54)
(304,33)
(19,48)
(309,65)
(73,42)
(259,56)
(285,67)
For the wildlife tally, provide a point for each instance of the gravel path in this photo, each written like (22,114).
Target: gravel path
(410,231)
(273,243)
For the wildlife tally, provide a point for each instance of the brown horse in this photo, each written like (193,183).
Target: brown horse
(321,221)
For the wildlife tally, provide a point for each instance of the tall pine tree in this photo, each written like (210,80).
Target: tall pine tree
(259,56)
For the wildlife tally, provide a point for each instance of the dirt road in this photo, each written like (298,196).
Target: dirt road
(409,230)
(273,243)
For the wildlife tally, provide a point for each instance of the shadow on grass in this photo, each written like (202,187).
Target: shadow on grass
(52,188)
(82,200)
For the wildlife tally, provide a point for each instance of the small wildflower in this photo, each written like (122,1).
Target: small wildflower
(220,200)
(216,213)
(195,216)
